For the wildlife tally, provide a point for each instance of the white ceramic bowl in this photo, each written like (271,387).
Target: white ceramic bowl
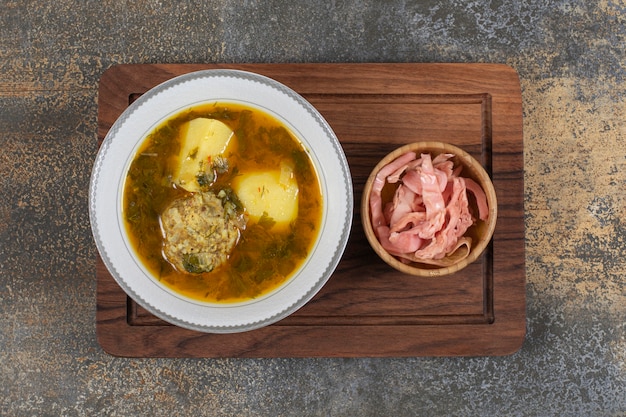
(141,118)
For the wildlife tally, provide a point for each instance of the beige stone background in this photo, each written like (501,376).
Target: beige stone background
(571,58)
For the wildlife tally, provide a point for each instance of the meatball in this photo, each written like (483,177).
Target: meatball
(198,234)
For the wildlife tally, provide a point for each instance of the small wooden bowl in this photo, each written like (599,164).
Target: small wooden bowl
(481,232)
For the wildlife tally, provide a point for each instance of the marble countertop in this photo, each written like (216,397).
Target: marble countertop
(571,59)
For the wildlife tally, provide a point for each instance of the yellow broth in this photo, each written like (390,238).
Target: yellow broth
(262,259)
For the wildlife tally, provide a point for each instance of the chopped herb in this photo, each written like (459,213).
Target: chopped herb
(227,195)
(220,164)
(191,262)
(264,272)
(266,222)
(205,179)
(246,132)
(302,165)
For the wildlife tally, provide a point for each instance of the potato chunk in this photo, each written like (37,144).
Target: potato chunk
(273,194)
(202,140)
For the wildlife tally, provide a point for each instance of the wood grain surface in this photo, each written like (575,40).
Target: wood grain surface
(366,308)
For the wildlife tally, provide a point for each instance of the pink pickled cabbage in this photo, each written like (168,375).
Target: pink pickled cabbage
(429,214)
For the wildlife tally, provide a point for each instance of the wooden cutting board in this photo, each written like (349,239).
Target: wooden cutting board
(367,308)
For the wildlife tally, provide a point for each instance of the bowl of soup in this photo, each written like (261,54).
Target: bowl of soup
(221,201)
(429,209)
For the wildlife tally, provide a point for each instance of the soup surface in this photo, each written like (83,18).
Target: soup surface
(264,163)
